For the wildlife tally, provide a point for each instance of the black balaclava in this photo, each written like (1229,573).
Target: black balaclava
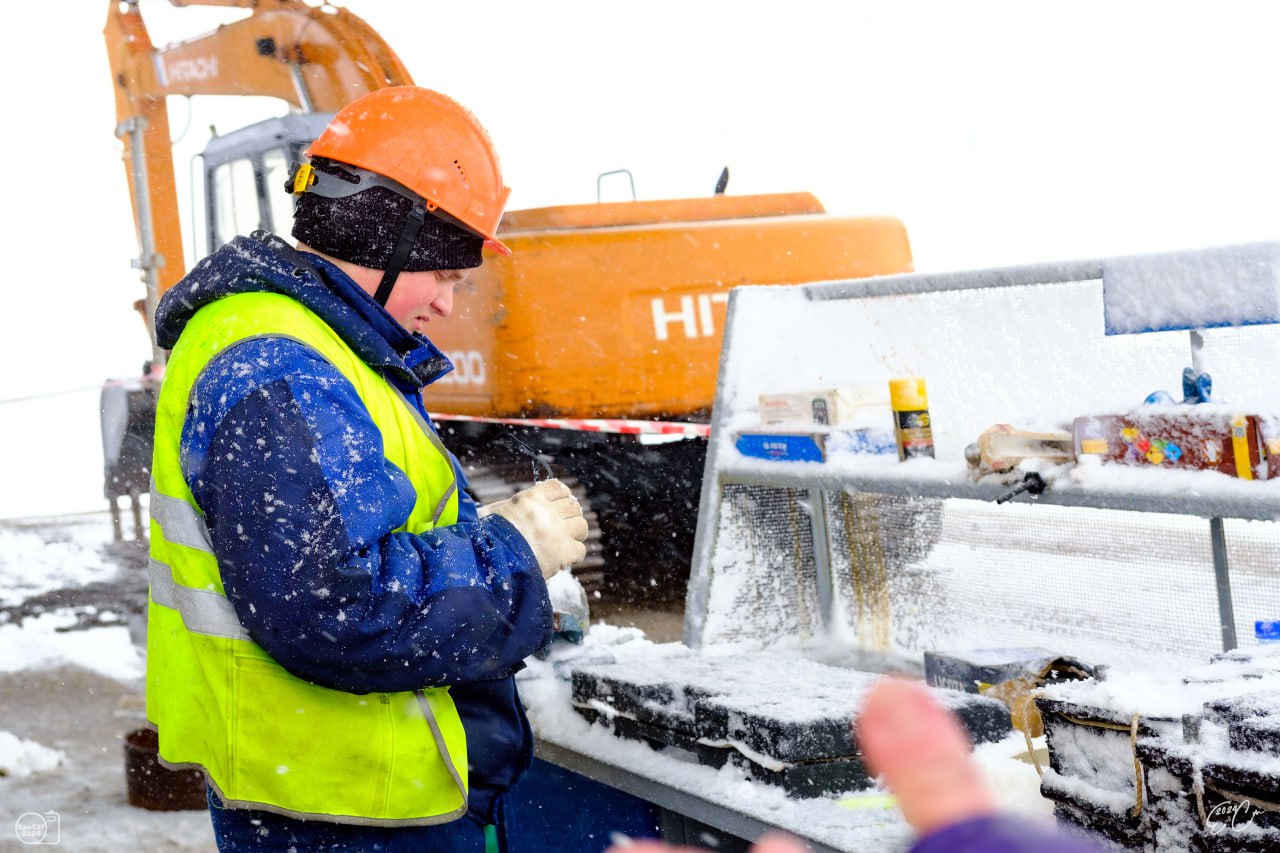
(364,228)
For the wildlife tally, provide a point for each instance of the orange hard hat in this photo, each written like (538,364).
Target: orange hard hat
(429,143)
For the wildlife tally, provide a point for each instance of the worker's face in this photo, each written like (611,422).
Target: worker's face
(419,296)
(416,296)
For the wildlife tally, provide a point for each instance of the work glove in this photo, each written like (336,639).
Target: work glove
(550,519)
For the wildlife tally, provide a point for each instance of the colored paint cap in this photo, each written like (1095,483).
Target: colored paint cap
(908,394)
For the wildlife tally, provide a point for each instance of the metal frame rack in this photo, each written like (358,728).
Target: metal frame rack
(863,301)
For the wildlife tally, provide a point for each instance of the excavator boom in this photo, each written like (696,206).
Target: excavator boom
(315,58)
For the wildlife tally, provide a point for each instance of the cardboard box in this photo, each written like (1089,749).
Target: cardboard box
(813,446)
(857,406)
(1203,437)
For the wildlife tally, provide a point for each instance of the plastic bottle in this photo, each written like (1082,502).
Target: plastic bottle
(571,614)
(1267,631)
(912,428)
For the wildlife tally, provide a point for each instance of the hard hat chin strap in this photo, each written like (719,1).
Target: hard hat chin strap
(408,235)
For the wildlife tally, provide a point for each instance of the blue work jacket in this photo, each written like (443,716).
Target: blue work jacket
(322,583)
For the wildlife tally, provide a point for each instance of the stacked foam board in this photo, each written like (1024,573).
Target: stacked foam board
(1175,762)
(784,720)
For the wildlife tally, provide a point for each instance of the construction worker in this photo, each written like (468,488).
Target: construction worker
(334,624)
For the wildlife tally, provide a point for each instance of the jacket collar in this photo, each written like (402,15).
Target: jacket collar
(264,263)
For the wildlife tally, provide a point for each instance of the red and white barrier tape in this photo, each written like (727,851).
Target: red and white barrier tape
(617,426)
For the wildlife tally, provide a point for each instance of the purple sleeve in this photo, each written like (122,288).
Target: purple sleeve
(1004,834)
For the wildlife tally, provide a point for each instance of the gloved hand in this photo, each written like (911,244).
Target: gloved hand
(550,519)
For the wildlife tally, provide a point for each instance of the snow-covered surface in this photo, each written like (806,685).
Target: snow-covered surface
(41,558)
(548,699)
(1083,581)
(1090,476)
(568,597)
(744,679)
(1170,693)
(30,564)
(854,821)
(1230,286)
(69,696)
(38,642)
(21,757)
(1185,715)
(1121,588)
(1034,356)
(1100,789)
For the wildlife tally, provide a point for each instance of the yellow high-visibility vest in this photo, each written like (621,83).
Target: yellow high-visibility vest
(264,738)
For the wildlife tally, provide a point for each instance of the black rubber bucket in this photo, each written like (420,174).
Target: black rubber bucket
(153,786)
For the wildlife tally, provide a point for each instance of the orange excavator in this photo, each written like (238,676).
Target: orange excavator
(616,401)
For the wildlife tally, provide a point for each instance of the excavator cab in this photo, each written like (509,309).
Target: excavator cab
(243,180)
(244,176)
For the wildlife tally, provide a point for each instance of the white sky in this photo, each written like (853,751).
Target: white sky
(999,132)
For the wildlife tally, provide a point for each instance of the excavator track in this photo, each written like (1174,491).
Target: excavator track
(641,502)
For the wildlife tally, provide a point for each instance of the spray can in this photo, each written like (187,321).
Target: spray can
(912,428)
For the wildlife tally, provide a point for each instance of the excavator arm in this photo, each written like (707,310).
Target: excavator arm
(315,58)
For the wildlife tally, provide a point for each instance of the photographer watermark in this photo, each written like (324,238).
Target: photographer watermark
(38,828)
(1230,814)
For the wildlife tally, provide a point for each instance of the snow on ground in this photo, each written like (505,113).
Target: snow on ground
(21,757)
(69,694)
(30,565)
(82,716)
(44,642)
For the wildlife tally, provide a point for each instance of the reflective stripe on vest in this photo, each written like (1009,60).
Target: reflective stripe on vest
(181,523)
(264,738)
(203,611)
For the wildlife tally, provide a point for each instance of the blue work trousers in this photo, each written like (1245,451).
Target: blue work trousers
(250,831)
